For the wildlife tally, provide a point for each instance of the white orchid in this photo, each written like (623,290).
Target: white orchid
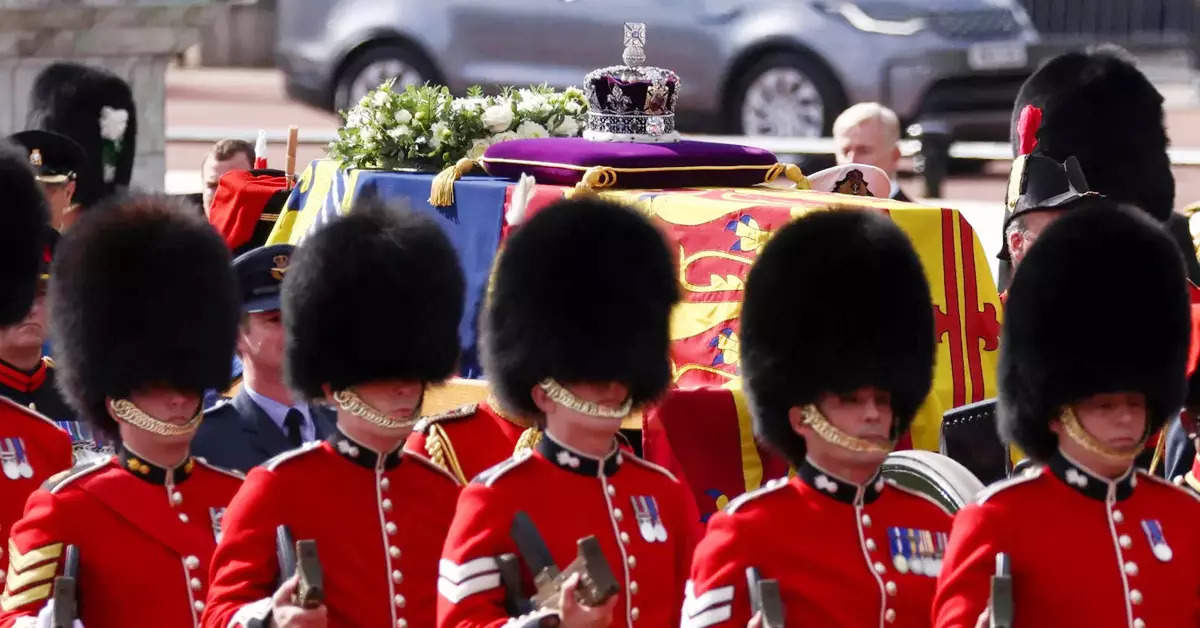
(439,132)
(113,123)
(498,117)
(530,129)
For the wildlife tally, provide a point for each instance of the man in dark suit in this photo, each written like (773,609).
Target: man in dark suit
(261,420)
(869,133)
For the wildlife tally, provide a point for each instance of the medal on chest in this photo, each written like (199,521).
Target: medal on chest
(1158,542)
(649,519)
(917,551)
(14,459)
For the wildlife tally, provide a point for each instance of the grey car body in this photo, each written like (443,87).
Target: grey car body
(774,67)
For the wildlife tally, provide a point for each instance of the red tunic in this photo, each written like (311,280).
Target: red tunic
(32,448)
(644,519)
(1085,551)
(850,555)
(144,533)
(466,441)
(378,520)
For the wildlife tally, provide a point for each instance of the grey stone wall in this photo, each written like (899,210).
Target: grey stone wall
(135,40)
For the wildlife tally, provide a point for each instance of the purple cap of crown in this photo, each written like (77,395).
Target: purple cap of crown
(632,102)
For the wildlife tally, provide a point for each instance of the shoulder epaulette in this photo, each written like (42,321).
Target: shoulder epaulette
(432,465)
(457,413)
(488,476)
(996,487)
(649,465)
(909,491)
(291,454)
(61,479)
(1142,475)
(770,487)
(233,473)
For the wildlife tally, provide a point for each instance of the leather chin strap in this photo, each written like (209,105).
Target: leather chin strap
(831,434)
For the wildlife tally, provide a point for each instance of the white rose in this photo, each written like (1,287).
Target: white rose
(400,132)
(367,135)
(498,117)
(572,106)
(504,137)
(380,98)
(113,123)
(461,104)
(567,128)
(403,116)
(478,148)
(530,129)
(438,132)
(533,103)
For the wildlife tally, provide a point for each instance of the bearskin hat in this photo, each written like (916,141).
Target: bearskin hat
(1056,350)
(142,293)
(836,301)
(70,98)
(22,219)
(376,295)
(581,292)
(1098,107)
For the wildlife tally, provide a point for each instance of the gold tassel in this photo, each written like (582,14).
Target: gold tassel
(596,178)
(528,440)
(441,452)
(792,172)
(442,192)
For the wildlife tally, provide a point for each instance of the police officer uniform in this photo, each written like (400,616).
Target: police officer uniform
(376,295)
(1085,550)
(246,430)
(166,315)
(836,301)
(581,292)
(32,448)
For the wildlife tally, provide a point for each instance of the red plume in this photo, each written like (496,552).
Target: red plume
(1027,128)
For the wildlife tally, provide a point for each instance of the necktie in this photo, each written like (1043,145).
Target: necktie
(291,424)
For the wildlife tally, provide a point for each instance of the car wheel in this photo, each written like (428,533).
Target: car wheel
(372,67)
(784,94)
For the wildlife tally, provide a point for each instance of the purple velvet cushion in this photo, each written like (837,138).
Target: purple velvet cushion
(563,161)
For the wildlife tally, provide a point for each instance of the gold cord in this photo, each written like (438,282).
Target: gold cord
(349,401)
(1077,433)
(567,399)
(831,434)
(126,411)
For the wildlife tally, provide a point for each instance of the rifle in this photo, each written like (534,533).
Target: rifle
(765,598)
(66,594)
(1000,605)
(298,557)
(510,575)
(596,583)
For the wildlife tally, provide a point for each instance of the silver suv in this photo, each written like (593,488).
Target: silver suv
(756,67)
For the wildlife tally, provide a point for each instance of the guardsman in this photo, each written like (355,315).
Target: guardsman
(371,308)
(468,440)
(144,320)
(575,334)
(56,160)
(95,108)
(1092,540)
(261,420)
(32,448)
(837,347)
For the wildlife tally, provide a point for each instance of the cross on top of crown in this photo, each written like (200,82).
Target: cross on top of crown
(635,44)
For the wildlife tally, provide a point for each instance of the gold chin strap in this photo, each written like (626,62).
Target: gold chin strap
(1075,431)
(567,399)
(831,434)
(349,401)
(124,410)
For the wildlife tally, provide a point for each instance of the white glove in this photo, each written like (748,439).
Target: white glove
(45,619)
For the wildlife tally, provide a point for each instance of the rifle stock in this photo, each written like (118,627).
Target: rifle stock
(765,598)
(1000,605)
(300,558)
(596,583)
(66,594)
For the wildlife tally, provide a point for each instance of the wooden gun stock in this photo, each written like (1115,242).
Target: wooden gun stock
(1000,605)
(66,592)
(310,592)
(596,582)
(765,598)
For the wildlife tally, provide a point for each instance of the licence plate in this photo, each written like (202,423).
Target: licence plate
(997,56)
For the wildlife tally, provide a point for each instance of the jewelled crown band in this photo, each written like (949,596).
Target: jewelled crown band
(126,411)
(567,399)
(349,401)
(1077,433)
(831,434)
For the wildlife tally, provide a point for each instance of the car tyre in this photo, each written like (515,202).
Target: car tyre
(784,93)
(371,67)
